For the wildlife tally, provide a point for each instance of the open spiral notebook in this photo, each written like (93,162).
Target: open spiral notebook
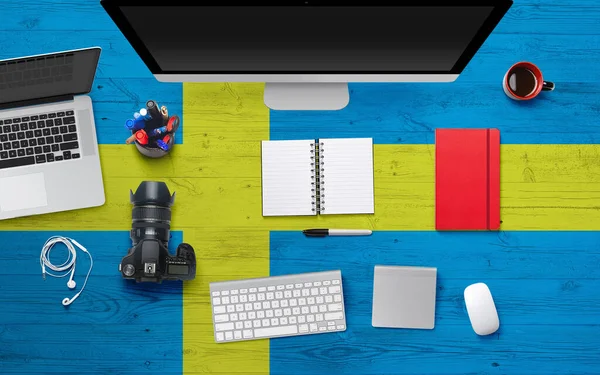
(323,176)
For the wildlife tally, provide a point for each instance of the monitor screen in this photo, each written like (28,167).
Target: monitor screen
(43,76)
(306,39)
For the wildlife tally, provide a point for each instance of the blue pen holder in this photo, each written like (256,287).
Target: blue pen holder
(152,150)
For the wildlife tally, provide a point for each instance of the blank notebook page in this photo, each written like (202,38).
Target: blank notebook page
(347,176)
(287,176)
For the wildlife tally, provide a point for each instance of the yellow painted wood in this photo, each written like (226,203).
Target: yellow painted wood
(216,174)
(225,124)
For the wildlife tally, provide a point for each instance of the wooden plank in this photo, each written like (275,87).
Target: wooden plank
(113,326)
(238,254)
(526,349)
(506,255)
(524,17)
(101,348)
(409,114)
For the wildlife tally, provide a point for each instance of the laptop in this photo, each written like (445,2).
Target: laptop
(48,148)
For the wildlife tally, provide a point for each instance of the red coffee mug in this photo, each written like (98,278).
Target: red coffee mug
(524,81)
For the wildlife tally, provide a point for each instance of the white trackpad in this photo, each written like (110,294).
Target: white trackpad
(22,192)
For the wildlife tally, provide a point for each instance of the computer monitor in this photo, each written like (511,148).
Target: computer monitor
(307,50)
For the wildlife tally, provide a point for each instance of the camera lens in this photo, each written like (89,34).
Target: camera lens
(151,214)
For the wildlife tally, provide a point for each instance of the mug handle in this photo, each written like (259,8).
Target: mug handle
(547,86)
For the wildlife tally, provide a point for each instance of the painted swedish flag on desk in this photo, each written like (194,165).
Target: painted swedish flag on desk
(542,267)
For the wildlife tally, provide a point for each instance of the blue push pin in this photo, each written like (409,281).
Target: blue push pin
(163,145)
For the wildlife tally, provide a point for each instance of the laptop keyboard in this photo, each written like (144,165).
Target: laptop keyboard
(42,138)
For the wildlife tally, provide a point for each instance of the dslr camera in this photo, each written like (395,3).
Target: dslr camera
(149,258)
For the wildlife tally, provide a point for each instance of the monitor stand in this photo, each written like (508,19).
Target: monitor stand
(306,96)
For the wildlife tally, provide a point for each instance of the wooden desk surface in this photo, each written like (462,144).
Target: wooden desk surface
(542,267)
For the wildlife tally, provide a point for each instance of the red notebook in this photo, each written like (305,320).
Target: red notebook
(467,179)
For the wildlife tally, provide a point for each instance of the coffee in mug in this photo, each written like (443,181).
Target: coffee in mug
(524,81)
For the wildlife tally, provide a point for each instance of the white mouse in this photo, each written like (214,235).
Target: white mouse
(481,309)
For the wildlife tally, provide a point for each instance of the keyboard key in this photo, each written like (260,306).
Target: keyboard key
(24,126)
(34,118)
(12,154)
(38,150)
(58,138)
(4,155)
(276,331)
(8,121)
(220,336)
(15,144)
(6,128)
(70,113)
(228,335)
(50,123)
(49,140)
(59,158)
(224,326)
(40,159)
(247,333)
(29,151)
(37,133)
(46,149)
(51,115)
(11,163)
(63,129)
(3,138)
(69,146)
(41,141)
(69,120)
(16,120)
(12,136)
(55,148)
(70,137)
(334,289)
(29,134)
(60,114)
(32,142)
(54,131)
(41,124)
(219,309)
(21,135)
(222,318)
(43,117)
(50,158)
(24,143)
(31,125)
(25,119)
(46,132)
(21,152)
(237,335)
(334,316)
(6,146)
(58,122)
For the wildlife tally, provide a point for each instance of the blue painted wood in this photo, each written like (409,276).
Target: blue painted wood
(545,285)
(115,326)
(407,113)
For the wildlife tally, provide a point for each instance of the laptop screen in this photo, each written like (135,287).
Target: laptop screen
(42,76)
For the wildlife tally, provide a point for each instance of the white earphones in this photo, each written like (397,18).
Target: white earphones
(68,266)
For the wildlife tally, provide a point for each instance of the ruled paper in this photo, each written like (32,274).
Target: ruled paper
(347,176)
(287,178)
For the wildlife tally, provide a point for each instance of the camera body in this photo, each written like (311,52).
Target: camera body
(149,259)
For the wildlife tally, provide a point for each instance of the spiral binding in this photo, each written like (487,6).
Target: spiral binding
(318,184)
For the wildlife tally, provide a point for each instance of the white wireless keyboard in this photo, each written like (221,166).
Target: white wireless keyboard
(278,306)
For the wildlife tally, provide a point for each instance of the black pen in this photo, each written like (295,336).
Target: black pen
(336,232)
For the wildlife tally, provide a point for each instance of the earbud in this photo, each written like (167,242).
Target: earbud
(68,266)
